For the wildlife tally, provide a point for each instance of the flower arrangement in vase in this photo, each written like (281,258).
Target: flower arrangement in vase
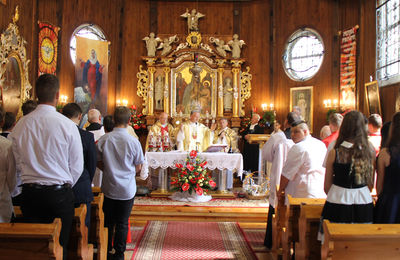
(192,177)
(138,121)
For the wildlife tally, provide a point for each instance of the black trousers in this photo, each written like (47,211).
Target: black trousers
(116,217)
(268,233)
(45,204)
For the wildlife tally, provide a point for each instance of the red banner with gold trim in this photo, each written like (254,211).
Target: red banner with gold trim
(348,57)
(48,48)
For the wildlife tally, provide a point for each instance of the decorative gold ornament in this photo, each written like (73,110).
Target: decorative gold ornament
(245,92)
(12,46)
(194,39)
(142,86)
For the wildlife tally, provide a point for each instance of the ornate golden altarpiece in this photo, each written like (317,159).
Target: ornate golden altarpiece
(195,73)
(14,78)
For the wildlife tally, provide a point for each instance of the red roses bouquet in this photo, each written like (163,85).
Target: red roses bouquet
(137,120)
(192,176)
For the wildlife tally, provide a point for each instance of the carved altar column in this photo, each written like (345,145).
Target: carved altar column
(235,71)
(220,107)
(166,70)
(150,98)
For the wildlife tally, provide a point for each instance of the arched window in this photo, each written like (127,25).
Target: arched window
(90,31)
(303,54)
(388,42)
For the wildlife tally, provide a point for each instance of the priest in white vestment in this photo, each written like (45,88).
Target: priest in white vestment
(275,151)
(303,175)
(162,132)
(193,135)
(225,135)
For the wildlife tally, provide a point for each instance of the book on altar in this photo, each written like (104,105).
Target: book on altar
(215,148)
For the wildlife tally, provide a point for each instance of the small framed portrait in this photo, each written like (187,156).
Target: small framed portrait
(372,95)
(301,99)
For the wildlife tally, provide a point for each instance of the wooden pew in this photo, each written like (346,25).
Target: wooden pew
(98,233)
(289,227)
(309,247)
(30,241)
(361,241)
(78,247)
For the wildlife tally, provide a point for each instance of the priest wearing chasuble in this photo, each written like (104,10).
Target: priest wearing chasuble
(161,135)
(194,135)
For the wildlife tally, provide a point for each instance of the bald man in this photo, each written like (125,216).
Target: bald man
(95,127)
(162,131)
(303,174)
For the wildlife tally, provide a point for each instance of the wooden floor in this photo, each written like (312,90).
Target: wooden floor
(247,217)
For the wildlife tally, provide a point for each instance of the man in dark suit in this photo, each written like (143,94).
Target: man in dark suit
(83,188)
(251,151)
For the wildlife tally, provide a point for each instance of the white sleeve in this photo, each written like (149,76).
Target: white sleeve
(267,150)
(293,163)
(75,155)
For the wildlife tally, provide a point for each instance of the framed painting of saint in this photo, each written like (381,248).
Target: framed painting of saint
(301,98)
(372,95)
(193,88)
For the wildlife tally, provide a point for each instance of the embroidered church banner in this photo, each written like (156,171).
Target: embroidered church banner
(348,48)
(48,48)
(91,74)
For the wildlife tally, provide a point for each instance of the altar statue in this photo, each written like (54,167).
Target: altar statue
(192,19)
(166,45)
(151,44)
(236,45)
(228,94)
(159,92)
(221,47)
(193,135)
(191,93)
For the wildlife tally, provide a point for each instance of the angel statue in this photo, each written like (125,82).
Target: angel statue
(192,19)
(151,44)
(222,48)
(166,44)
(236,45)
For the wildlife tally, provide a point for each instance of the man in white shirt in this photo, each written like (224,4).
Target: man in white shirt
(120,157)
(303,174)
(274,151)
(48,152)
(7,175)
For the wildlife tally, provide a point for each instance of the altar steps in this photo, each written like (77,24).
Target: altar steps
(250,216)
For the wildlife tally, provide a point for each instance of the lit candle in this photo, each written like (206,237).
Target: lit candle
(335,103)
(271,106)
(325,103)
(329,103)
(125,102)
(264,107)
(118,102)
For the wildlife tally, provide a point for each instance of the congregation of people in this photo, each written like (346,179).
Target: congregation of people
(48,164)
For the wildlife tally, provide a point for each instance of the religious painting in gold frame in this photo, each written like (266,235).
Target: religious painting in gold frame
(302,97)
(14,78)
(372,96)
(193,88)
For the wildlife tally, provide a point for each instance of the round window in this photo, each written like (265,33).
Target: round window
(90,31)
(303,55)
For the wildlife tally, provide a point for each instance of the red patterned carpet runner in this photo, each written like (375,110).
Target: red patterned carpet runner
(192,240)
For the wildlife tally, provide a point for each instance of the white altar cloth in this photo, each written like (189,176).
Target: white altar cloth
(220,161)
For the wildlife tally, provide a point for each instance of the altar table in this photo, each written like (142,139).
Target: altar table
(219,160)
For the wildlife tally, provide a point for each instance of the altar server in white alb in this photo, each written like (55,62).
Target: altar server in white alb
(303,174)
(193,135)
(274,151)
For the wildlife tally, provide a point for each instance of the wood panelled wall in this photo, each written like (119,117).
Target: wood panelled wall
(264,26)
